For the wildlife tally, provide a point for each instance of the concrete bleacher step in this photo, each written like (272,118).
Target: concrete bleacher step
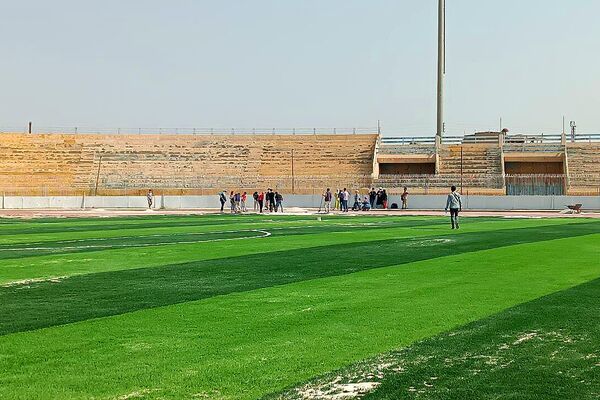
(140,161)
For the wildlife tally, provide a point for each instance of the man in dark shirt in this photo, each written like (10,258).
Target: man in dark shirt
(372,197)
(271,199)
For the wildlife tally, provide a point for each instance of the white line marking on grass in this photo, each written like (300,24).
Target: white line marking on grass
(263,234)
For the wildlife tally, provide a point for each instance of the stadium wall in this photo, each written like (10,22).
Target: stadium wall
(416,202)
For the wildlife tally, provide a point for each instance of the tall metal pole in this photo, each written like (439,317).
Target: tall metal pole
(461,169)
(441,66)
(293,171)
(98,176)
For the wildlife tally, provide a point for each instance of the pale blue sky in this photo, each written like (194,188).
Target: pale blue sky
(299,63)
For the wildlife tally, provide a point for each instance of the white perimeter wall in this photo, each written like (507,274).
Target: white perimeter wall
(418,202)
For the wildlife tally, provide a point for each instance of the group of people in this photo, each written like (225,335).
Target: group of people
(374,199)
(263,201)
(342,198)
(273,201)
(379,199)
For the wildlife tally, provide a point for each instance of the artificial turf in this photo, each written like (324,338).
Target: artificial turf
(246,317)
(543,349)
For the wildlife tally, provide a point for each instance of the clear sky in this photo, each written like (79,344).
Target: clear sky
(299,63)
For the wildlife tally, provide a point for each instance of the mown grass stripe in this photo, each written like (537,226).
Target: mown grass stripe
(28,246)
(68,264)
(48,303)
(248,344)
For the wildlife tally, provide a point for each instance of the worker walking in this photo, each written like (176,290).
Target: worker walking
(454,203)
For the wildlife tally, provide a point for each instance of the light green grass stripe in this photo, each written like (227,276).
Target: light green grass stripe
(245,345)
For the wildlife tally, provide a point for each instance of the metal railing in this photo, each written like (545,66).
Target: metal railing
(508,139)
(416,140)
(189,131)
(534,139)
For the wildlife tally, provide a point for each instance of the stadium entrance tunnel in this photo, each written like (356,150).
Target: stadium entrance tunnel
(407,169)
(413,164)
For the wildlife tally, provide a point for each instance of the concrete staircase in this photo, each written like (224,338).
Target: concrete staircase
(584,166)
(470,160)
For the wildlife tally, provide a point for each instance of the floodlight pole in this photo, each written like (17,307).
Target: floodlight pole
(441,67)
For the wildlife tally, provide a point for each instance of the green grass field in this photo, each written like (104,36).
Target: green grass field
(289,307)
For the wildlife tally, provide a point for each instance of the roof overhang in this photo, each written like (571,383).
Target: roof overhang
(534,157)
(406,159)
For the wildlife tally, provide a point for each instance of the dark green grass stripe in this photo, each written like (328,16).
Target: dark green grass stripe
(548,348)
(83,297)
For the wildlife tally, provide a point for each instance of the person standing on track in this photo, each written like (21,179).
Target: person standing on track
(404,198)
(379,199)
(243,202)
(372,197)
(261,201)
(150,198)
(232,202)
(278,201)
(271,199)
(255,197)
(356,205)
(345,199)
(223,199)
(454,203)
(327,197)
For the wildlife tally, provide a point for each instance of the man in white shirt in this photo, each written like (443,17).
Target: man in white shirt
(454,203)
(346,198)
(150,198)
